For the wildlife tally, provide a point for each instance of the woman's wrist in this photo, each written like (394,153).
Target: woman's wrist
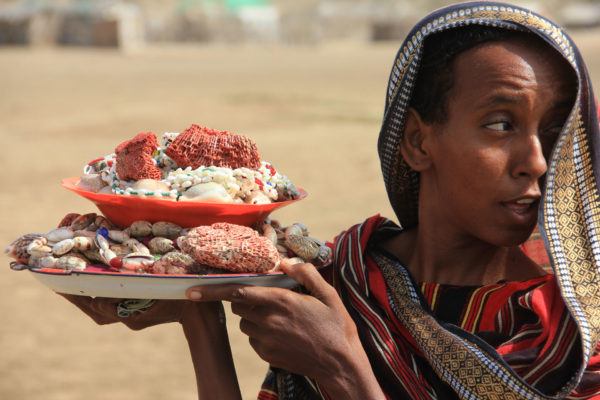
(352,376)
(206,333)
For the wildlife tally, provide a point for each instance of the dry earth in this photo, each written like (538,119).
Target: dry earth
(314,112)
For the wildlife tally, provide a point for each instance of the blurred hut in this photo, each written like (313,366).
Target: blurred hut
(365,21)
(224,20)
(27,25)
(111,24)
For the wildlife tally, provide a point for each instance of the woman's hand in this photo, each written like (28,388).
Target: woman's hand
(310,335)
(204,328)
(104,311)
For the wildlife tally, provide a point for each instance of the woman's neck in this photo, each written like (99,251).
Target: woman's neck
(435,259)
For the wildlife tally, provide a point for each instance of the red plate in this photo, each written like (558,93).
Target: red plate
(123,210)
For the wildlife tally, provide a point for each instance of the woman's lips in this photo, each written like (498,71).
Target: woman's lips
(522,206)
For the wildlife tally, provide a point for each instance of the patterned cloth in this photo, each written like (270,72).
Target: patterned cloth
(530,340)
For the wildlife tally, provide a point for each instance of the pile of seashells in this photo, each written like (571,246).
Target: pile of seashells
(81,241)
(263,185)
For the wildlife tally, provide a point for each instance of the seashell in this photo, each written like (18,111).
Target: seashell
(101,242)
(166,229)
(269,233)
(136,246)
(71,262)
(160,245)
(120,250)
(257,197)
(174,262)
(33,262)
(109,257)
(98,165)
(297,228)
(151,185)
(91,183)
(210,192)
(67,220)
(106,190)
(287,192)
(93,255)
(140,228)
(102,222)
(58,234)
(84,233)
(118,236)
(83,221)
(83,243)
(18,248)
(137,261)
(274,223)
(38,248)
(63,247)
(308,248)
(46,262)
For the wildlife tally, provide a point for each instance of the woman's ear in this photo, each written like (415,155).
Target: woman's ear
(412,146)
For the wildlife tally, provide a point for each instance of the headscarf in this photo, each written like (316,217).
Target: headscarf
(386,304)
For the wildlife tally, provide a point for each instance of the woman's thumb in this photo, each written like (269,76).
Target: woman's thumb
(307,275)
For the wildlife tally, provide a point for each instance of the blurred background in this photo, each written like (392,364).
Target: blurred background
(304,79)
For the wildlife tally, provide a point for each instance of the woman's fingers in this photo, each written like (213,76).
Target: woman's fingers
(305,274)
(252,295)
(101,310)
(309,277)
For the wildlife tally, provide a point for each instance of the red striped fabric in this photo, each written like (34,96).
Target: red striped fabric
(526,322)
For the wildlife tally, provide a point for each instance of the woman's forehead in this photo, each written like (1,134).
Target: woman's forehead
(514,64)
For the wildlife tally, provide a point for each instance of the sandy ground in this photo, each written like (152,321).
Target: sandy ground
(314,113)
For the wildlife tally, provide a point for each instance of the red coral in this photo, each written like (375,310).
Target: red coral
(134,158)
(231,247)
(198,146)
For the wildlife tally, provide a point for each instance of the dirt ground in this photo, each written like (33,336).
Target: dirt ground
(313,111)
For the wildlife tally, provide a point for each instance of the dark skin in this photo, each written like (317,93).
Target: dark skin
(480,187)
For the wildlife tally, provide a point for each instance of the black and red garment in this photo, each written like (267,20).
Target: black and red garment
(535,339)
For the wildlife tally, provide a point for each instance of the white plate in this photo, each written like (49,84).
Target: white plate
(146,286)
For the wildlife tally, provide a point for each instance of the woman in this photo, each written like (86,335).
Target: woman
(489,127)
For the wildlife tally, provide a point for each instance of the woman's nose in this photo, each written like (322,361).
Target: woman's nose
(530,160)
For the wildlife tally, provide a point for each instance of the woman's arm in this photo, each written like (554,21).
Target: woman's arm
(206,334)
(311,335)
(204,328)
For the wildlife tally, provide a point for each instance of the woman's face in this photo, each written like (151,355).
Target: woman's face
(506,109)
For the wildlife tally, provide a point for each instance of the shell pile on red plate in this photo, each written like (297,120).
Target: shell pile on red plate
(81,241)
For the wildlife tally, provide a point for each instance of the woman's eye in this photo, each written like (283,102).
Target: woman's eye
(499,126)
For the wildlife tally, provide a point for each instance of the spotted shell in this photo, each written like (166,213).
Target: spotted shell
(308,248)
(166,229)
(18,248)
(140,229)
(174,262)
(83,221)
(160,245)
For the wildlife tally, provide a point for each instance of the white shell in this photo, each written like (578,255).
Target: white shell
(209,192)
(71,262)
(136,261)
(63,247)
(118,236)
(151,185)
(58,234)
(83,243)
(257,197)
